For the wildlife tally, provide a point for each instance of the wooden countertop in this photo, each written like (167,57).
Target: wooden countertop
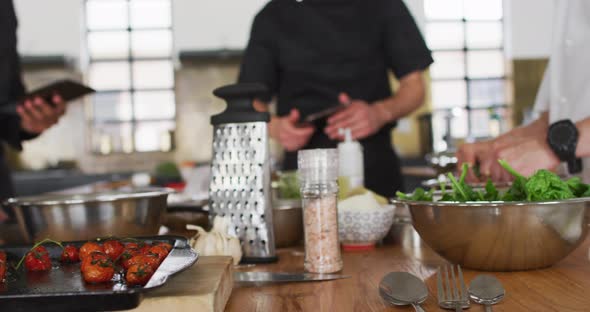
(563,287)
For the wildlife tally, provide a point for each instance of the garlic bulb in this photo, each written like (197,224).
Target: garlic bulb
(217,242)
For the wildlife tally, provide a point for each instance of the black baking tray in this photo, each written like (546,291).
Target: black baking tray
(63,289)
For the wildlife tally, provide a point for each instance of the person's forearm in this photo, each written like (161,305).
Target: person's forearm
(583,149)
(406,100)
(540,125)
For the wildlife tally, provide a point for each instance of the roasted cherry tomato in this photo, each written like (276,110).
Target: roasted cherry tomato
(2,270)
(165,245)
(160,251)
(139,274)
(132,245)
(88,248)
(97,268)
(150,259)
(95,255)
(38,259)
(70,254)
(2,256)
(127,255)
(141,246)
(144,248)
(113,249)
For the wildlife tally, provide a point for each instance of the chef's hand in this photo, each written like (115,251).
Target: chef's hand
(286,131)
(479,154)
(37,115)
(362,119)
(525,153)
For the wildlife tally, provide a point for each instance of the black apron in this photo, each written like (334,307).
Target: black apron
(11,88)
(309,51)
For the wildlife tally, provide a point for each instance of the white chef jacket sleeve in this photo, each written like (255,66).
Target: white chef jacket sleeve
(543,95)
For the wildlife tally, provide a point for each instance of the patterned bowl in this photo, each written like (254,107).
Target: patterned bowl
(361,230)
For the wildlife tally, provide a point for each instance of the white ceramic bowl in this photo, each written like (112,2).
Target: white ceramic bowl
(361,230)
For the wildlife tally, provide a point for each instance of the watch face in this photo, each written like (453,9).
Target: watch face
(563,139)
(563,134)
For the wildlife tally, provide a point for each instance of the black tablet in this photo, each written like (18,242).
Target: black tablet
(69,90)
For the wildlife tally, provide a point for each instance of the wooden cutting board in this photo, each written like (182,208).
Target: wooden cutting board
(206,287)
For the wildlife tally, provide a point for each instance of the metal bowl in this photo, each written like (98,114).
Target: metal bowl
(287,218)
(502,236)
(134,212)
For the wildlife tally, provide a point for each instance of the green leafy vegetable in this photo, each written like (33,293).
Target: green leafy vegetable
(541,186)
(289,185)
(463,192)
(492,193)
(544,185)
(517,192)
(577,186)
(419,195)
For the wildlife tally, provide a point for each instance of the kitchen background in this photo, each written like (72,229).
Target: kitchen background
(155,63)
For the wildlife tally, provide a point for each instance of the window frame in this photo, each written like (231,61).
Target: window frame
(96,124)
(499,108)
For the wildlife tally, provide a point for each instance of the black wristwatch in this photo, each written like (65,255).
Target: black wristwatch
(562,137)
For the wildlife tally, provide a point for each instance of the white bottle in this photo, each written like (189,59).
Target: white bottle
(351,160)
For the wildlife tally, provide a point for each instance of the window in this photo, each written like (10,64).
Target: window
(469,83)
(129,47)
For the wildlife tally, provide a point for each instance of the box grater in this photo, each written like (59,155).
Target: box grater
(240,171)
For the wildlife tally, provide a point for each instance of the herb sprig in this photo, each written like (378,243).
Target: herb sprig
(47,240)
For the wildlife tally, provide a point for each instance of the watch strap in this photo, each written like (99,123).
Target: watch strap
(575,165)
(562,138)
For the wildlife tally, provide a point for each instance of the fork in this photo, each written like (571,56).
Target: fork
(452,292)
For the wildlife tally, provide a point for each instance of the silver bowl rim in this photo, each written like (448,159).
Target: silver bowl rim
(95,197)
(490,203)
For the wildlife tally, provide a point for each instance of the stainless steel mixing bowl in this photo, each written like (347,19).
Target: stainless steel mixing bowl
(502,236)
(133,212)
(287,222)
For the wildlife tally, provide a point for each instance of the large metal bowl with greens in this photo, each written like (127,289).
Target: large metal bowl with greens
(501,236)
(533,224)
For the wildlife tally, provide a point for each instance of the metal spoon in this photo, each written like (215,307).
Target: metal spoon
(486,290)
(402,288)
(390,300)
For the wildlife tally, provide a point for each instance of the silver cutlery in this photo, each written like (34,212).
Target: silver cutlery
(392,301)
(402,288)
(486,290)
(452,292)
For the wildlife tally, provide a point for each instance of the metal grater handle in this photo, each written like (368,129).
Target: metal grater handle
(239,98)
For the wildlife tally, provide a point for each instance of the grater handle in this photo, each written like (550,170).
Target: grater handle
(239,98)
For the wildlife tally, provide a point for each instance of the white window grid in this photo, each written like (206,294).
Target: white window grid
(472,115)
(130,129)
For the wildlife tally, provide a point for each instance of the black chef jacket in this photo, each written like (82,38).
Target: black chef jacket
(308,52)
(11,88)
